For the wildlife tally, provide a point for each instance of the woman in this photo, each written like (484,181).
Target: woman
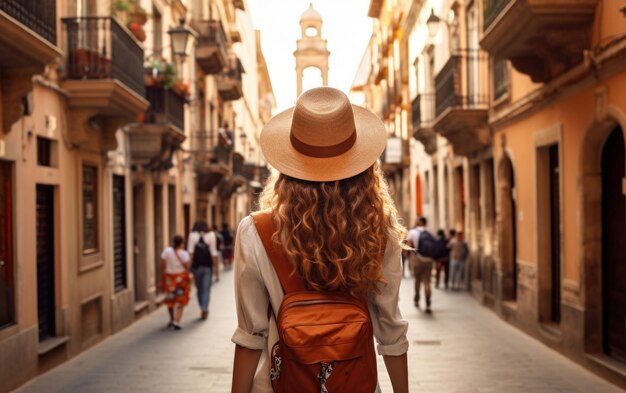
(202,245)
(175,266)
(335,224)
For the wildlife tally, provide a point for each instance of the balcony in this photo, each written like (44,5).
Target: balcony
(104,77)
(29,35)
(461,102)
(244,169)
(212,165)
(211,52)
(229,82)
(154,141)
(541,38)
(422,115)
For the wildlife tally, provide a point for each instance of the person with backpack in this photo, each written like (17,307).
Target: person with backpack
(318,269)
(202,245)
(458,255)
(443,261)
(227,250)
(427,250)
(175,267)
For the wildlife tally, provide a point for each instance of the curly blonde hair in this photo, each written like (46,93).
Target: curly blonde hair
(335,232)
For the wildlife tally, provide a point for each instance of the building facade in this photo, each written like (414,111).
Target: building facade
(517,116)
(101,162)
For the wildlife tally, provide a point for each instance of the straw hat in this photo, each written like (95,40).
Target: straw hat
(323,137)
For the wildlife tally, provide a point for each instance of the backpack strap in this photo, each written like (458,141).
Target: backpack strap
(288,277)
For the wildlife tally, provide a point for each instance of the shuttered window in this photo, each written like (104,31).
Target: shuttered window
(119,233)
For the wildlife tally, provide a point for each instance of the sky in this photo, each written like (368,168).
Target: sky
(347,28)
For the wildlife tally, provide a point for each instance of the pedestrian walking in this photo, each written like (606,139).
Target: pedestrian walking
(458,255)
(227,249)
(427,250)
(219,260)
(175,270)
(323,256)
(443,262)
(202,245)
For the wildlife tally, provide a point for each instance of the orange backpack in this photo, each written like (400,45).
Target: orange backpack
(326,340)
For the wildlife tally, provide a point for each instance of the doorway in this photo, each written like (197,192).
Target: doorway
(139,243)
(45,262)
(508,229)
(549,239)
(158,233)
(613,248)
(119,233)
(7,275)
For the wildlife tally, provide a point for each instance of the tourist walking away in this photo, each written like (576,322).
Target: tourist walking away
(427,250)
(202,245)
(443,262)
(227,249)
(458,255)
(322,259)
(218,261)
(175,270)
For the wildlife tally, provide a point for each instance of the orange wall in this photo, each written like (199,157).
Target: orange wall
(575,112)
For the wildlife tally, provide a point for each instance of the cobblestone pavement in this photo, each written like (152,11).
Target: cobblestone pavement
(462,347)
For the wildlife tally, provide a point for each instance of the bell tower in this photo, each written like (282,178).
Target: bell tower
(311,50)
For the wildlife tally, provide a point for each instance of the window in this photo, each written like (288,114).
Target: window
(500,79)
(157,35)
(90,208)
(310,31)
(43,151)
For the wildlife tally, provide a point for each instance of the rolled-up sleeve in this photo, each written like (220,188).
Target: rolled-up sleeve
(251,296)
(390,328)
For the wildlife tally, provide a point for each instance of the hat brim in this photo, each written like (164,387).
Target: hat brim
(370,143)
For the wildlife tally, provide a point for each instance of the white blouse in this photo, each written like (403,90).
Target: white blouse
(257,286)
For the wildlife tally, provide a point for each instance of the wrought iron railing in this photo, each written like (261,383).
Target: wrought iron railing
(229,81)
(38,15)
(241,168)
(101,48)
(500,78)
(211,32)
(165,107)
(458,84)
(492,10)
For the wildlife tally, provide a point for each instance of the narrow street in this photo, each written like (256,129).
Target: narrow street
(462,347)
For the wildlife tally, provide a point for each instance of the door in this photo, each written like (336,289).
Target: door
(613,248)
(7,275)
(555,235)
(119,233)
(139,243)
(45,261)
(158,232)
(186,220)
(171,210)
(508,230)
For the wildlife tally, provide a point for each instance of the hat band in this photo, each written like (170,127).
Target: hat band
(323,151)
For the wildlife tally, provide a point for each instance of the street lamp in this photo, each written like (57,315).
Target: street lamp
(432,23)
(179,36)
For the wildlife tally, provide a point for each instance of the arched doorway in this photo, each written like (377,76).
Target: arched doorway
(613,247)
(508,229)
(602,169)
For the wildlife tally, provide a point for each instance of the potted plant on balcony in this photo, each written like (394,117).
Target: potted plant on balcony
(132,15)
(160,73)
(181,88)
